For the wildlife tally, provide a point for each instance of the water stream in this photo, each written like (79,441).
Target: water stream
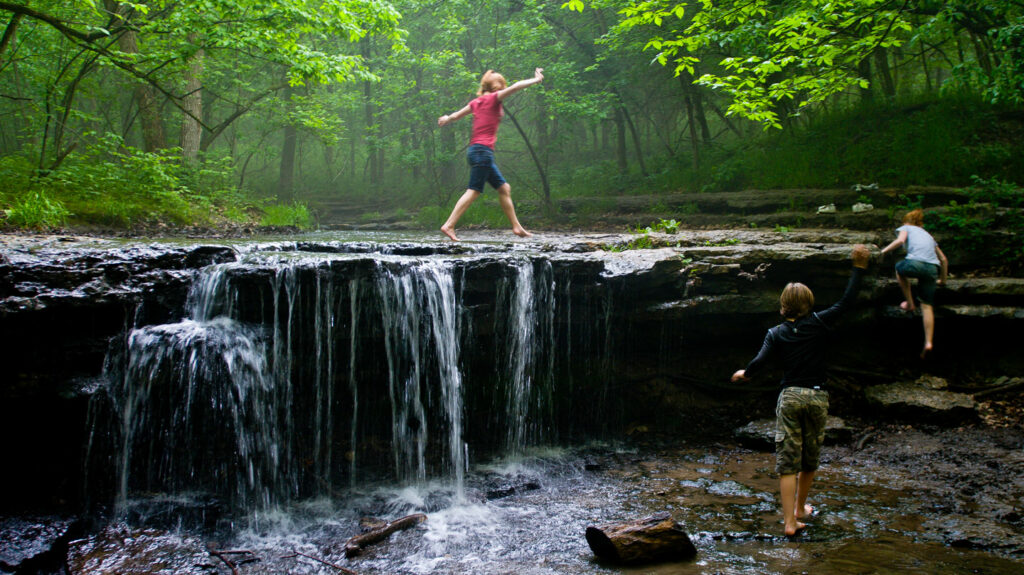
(293,375)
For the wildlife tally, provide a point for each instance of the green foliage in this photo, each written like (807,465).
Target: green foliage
(726,242)
(991,204)
(116,185)
(781,229)
(429,217)
(36,211)
(644,242)
(295,215)
(941,141)
(664,226)
(776,59)
(369,217)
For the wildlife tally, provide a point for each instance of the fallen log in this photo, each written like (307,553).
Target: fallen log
(319,560)
(222,555)
(356,544)
(648,540)
(1014,384)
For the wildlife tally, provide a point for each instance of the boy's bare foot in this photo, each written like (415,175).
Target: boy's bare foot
(807,512)
(927,348)
(450,232)
(521,232)
(907,306)
(794,529)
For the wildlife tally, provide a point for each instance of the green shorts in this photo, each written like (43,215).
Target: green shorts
(799,429)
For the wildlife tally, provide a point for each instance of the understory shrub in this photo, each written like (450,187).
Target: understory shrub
(116,185)
(295,214)
(37,211)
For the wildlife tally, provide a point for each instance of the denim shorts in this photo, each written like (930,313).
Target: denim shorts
(482,168)
(927,275)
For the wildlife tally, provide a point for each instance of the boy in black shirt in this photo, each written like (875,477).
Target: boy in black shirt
(802,407)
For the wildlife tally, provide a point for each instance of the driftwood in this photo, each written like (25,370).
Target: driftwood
(327,563)
(649,540)
(358,542)
(1014,384)
(223,553)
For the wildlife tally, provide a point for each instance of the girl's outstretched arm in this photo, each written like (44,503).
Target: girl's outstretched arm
(538,75)
(446,118)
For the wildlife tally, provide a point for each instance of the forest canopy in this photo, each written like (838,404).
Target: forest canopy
(209,112)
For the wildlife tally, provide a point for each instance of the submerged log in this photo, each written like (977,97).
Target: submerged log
(358,542)
(649,540)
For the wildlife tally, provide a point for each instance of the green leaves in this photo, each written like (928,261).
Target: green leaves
(769,52)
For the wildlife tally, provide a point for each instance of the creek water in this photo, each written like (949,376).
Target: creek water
(871,517)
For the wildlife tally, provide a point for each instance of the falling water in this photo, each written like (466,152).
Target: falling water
(422,342)
(177,370)
(245,393)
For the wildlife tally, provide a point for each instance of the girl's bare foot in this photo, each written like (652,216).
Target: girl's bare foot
(792,530)
(907,306)
(927,348)
(808,511)
(450,232)
(521,232)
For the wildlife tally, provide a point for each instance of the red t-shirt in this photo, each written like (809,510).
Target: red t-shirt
(487,113)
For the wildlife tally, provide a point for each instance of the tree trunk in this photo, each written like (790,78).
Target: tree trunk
(374,157)
(636,141)
(649,540)
(620,139)
(691,118)
(884,73)
(149,106)
(285,181)
(9,32)
(536,158)
(192,104)
(864,69)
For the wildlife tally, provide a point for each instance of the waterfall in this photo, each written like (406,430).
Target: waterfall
(422,342)
(294,375)
(176,370)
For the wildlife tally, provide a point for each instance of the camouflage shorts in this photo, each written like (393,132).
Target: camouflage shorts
(799,429)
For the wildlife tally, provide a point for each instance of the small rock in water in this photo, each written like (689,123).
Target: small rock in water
(129,551)
(28,540)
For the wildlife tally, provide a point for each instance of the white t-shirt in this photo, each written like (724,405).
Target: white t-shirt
(920,244)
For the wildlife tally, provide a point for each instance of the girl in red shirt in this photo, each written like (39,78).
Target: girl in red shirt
(487,113)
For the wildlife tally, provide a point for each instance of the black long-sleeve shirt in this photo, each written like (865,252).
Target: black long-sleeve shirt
(801,343)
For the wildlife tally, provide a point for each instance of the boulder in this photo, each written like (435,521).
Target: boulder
(33,544)
(916,401)
(760,434)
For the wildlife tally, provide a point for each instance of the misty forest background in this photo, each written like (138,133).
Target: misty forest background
(163,114)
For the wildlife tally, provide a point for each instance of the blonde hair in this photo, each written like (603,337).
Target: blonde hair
(491,82)
(796,301)
(914,217)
